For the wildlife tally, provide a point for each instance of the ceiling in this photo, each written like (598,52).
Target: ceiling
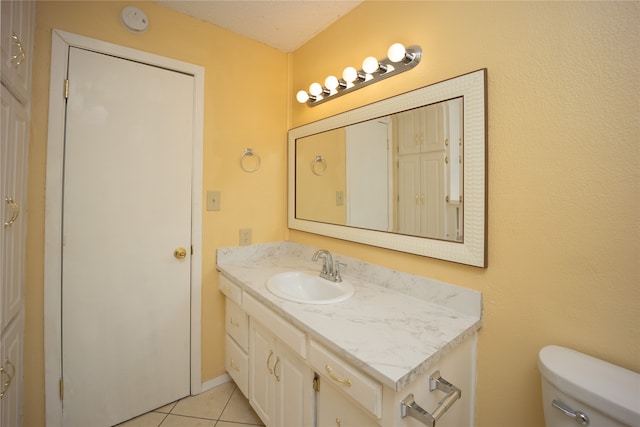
(284,25)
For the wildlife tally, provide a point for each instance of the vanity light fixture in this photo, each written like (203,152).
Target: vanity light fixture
(399,59)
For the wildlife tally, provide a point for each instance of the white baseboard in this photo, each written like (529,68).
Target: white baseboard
(215,382)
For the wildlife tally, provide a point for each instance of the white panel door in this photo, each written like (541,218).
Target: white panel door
(126,208)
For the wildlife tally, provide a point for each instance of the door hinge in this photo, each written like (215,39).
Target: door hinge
(191,249)
(61,388)
(316,383)
(66,89)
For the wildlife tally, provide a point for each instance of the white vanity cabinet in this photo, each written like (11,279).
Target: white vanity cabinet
(267,362)
(280,382)
(304,370)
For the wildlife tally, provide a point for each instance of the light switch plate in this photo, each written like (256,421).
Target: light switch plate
(213,200)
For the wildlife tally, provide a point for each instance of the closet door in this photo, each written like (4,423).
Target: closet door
(11,374)
(13,192)
(15,46)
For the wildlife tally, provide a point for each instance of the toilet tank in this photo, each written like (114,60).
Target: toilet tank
(607,394)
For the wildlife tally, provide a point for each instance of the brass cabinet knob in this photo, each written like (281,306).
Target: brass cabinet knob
(180,253)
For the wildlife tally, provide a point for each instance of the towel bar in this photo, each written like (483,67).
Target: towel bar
(409,407)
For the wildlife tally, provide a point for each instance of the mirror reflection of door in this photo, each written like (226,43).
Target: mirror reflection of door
(369,163)
(428,143)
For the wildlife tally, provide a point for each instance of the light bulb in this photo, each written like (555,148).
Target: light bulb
(396,52)
(350,74)
(370,65)
(302,97)
(331,83)
(315,89)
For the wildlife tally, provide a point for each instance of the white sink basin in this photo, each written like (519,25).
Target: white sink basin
(308,288)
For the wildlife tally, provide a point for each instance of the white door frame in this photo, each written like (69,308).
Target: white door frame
(60,43)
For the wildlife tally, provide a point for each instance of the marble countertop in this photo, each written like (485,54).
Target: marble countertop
(392,334)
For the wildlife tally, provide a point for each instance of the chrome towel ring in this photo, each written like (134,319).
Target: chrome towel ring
(248,153)
(319,165)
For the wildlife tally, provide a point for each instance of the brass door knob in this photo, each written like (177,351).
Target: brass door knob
(180,253)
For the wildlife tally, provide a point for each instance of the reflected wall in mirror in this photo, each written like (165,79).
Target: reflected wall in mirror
(400,173)
(406,173)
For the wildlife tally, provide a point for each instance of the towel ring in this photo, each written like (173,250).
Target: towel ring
(248,152)
(319,165)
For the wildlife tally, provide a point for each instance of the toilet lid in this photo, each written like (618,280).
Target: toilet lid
(613,390)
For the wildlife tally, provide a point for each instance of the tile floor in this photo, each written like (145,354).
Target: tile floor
(222,406)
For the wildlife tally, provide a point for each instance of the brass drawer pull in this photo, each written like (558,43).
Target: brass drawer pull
(7,384)
(274,369)
(345,381)
(19,58)
(15,211)
(268,359)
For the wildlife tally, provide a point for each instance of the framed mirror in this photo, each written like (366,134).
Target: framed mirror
(407,173)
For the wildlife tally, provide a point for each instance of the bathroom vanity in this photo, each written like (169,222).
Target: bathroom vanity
(351,363)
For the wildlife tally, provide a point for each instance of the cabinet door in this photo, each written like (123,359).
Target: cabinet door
(409,194)
(261,362)
(11,374)
(407,129)
(432,198)
(13,155)
(15,46)
(433,128)
(280,383)
(294,388)
(336,410)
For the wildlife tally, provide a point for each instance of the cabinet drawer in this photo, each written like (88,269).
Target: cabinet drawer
(230,289)
(237,364)
(285,331)
(334,410)
(237,324)
(360,387)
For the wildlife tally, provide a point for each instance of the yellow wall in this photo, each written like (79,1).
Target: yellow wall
(243,108)
(563,150)
(318,201)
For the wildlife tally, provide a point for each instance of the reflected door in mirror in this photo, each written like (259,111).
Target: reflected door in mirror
(428,182)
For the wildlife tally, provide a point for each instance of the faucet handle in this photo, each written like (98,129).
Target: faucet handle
(336,270)
(321,254)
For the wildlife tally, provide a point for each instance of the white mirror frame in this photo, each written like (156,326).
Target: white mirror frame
(472,251)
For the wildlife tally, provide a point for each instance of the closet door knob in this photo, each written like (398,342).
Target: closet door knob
(180,253)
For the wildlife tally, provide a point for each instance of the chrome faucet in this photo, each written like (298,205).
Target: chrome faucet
(330,271)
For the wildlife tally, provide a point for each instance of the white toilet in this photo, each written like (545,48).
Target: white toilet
(581,390)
